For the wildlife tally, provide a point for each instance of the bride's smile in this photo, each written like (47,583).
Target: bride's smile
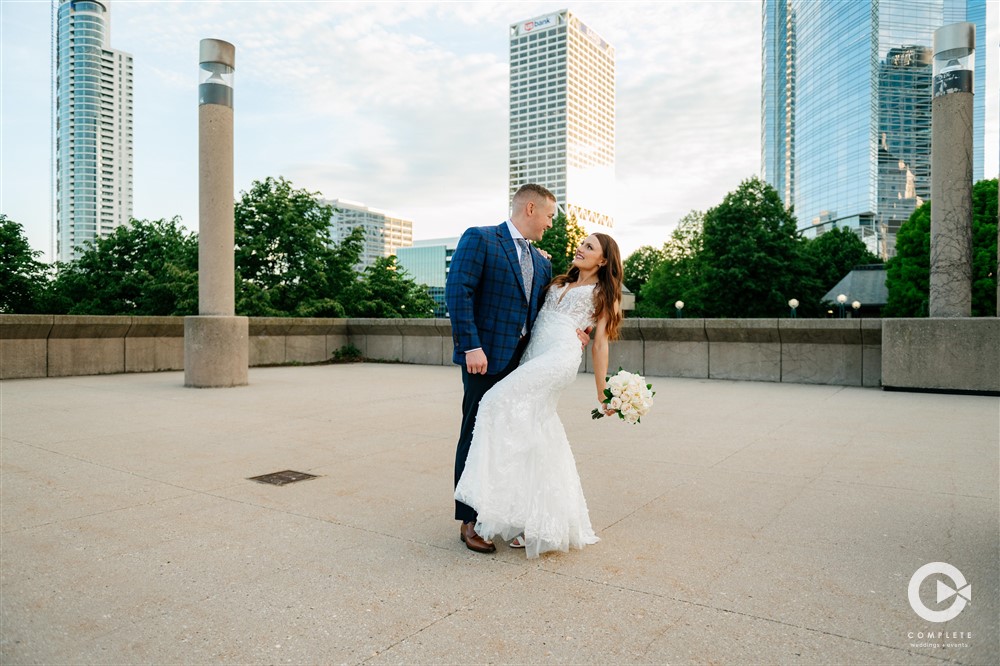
(589,255)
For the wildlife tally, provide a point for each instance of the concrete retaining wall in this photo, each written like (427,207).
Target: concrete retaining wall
(946,354)
(675,347)
(942,354)
(821,351)
(154,343)
(61,346)
(87,345)
(24,341)
(743,349)
(281,340)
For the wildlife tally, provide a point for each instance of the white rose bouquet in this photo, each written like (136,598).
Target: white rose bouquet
(629,395)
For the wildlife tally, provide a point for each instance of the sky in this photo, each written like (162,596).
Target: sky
(401,106)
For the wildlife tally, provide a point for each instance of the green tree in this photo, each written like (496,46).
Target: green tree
(22,278)
(142,268)
(826,259)
(638,266)
(561,241)
(679,274)
(751,254)
(908,273)
(984,248)
(833,254)
(286,262)
(387,291)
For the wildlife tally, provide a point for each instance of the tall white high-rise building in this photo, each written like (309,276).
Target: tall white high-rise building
(384,233)
(92,126)
(562,114)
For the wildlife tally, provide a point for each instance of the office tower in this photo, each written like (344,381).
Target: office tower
(384,233)
(845,110)
(562,114)
(92,127)
(777,122)
(976,13)
(428,263)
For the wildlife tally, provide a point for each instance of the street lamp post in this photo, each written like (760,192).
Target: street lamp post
(216,341)
(680,306)
(857,306)
(951,171)
(793,303)
(841,299)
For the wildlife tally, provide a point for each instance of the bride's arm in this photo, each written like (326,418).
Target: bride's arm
(599,354)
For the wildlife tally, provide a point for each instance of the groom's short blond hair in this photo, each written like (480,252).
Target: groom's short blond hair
(530,192)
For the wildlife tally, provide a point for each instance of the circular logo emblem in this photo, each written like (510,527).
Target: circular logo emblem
(962,592)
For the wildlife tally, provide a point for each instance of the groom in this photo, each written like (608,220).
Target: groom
(494,290)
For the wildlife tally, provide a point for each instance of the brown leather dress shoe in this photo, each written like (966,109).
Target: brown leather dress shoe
(475,542)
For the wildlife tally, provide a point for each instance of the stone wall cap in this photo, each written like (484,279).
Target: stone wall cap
(373,326)
(419,327)
(25,327)
(630,330)
(156,327)
(89,326)
(871,331)
(270,325)
(316,326)
(742,330)
(820,331)
(674,330)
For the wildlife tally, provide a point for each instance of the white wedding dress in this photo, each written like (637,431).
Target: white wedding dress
(520,474)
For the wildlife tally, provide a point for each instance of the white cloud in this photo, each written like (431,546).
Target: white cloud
(404,105)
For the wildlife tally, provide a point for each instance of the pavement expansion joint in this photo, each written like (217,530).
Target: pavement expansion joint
(762,618)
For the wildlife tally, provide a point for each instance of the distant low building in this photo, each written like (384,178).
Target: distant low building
(428,262)
(385,234)
(864,284)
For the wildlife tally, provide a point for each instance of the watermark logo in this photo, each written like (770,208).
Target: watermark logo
(961,591)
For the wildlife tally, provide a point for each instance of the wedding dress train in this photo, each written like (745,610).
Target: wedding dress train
(520,474)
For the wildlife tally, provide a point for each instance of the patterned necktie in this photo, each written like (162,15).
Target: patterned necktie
(527,268)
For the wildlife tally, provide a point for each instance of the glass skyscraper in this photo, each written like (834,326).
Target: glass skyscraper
(92,127)
(846,110)
(562,114)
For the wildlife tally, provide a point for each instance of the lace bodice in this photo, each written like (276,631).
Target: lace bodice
(575,302)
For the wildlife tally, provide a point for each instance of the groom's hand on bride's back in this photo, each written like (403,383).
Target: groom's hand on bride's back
(584,336)
(475,362)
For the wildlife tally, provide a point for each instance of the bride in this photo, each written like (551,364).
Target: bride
(520,475)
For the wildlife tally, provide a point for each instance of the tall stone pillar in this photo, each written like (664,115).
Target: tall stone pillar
(951,172)
(216,343)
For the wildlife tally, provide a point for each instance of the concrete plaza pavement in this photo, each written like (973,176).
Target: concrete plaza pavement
(740,523)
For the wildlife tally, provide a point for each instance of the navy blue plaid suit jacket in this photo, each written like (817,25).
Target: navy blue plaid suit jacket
(485,294)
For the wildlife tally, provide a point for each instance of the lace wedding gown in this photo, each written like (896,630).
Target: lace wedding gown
(520,474)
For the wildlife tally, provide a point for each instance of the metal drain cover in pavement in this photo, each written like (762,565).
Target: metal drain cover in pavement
(282,478)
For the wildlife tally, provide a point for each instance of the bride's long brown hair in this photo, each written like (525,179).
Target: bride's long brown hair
(608,294)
